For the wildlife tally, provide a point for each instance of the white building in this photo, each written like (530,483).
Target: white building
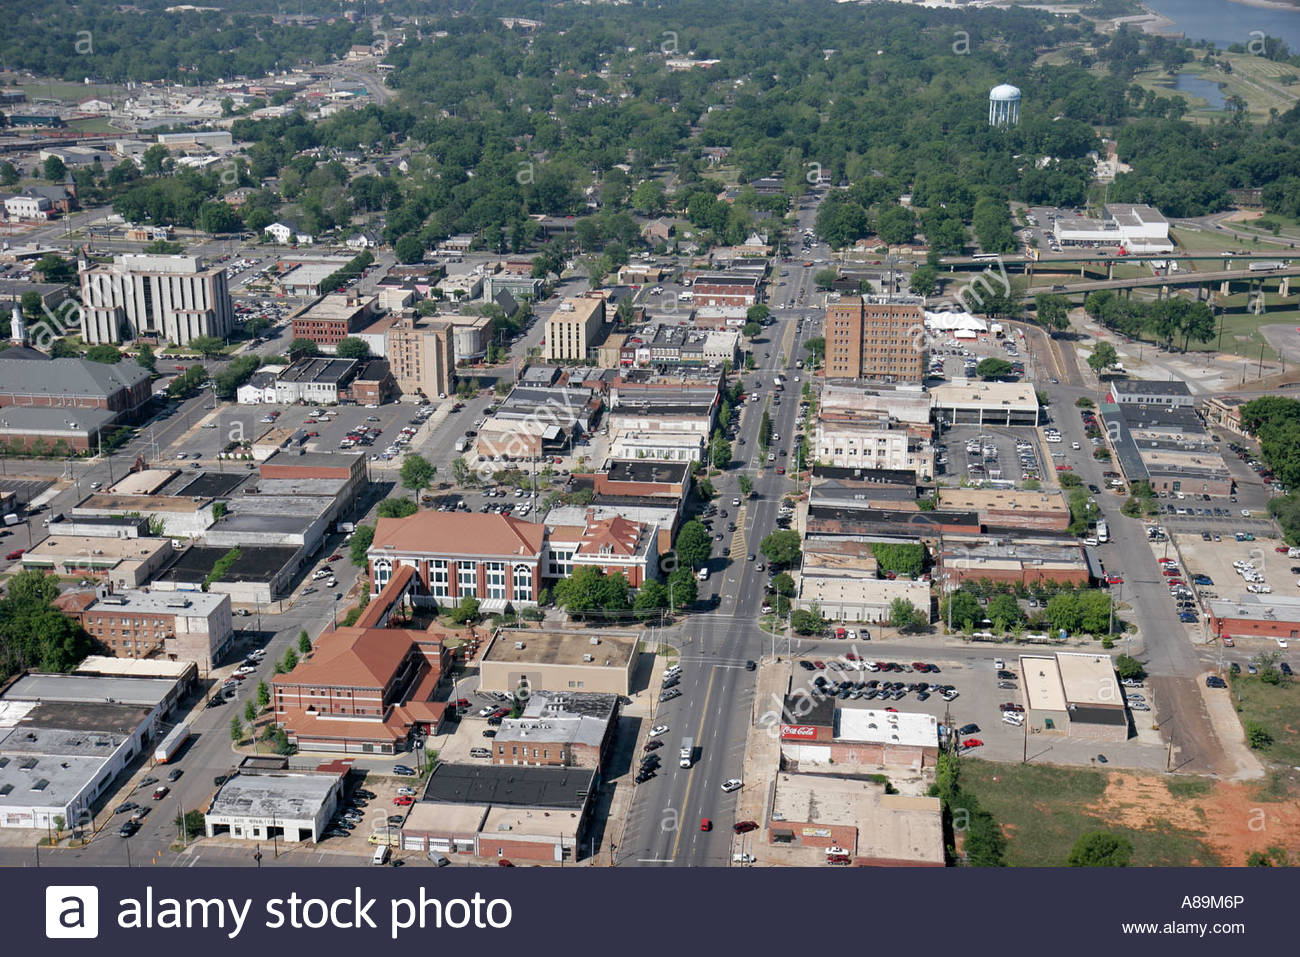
(667,446)
(855,445)
(171,298)
(258,805)
(64,739)
(27,208)
(1136,228)
(285,233)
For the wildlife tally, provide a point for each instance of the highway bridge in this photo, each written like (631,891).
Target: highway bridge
(1219,277)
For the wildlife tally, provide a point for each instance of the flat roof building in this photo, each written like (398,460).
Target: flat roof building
(875,337)
(875,829)
(293,806)
(121,562)
(963,402)
(560,729)
(178,626)
(1076,694)
(64,739)
(560,661)
(574,328)
(167,298)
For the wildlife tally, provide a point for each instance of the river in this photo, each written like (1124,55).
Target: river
(1224,22)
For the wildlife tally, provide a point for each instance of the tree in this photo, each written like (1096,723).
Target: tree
(351,347)
(694,546)
(207,346)
(417,473)
(9,175)
(993,368)
(746,486)
(682,588)
(783,584)
(362,538)
(1053,312)
(1004,611)
(307,347)
(905,616)
(290,660)
(650,598)
(304,642)
(896,225)
(924,280)
(906,559)
(397,508)
(237,730)
(782,547)
(1103,356)
(1266,663)
(962,608)
(193,823)
(807,621)
(825,278)
(144,356)
(759,312)
(109,355)
(1258,736)
(720,452)
(54,170)
(589,591)
(1100,849)
(1129,668)
(216,218)
(460,471)
(155,159)
(409,249)
(751,330)
(263,695)
(54,268)
(250,711)
(816,347)
(466,611)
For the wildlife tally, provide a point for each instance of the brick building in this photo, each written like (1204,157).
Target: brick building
(723,289)
(178,626)
(122,389)
(559,729)
(362,690)
(817,733)
(332,319)
(875,337)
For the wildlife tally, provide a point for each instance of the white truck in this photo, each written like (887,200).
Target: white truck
(1103,532)
(687,754)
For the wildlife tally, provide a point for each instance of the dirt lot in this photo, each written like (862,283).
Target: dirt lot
(1170,820)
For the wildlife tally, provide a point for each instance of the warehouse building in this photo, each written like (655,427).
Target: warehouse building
(290,806)
(1074,694)
(821,734)
(510,813)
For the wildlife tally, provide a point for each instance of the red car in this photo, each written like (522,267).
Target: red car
(1169,571)
(462,702)
(819,665)
(851,656)
(706,824)
(780,470)
(972,743)
(1167,561)
(1065,468)
(15,554)
(403,800)
(333,558)
(1282,549)
(503,862)
(1011,706)
(1114,580)
(839,859)
(744,827)
(895,710)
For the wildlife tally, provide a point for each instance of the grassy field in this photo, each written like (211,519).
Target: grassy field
(96,124)
(1277,708)
(66,92)
(1213,241)
(1044,810)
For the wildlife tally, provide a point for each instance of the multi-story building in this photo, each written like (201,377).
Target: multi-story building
(333,319)
(726,289)
(179,626)
(559,729)
(614,545)
(168,298)
(494,558)
(64,388)
(573,328)
(875,337)
(421,356)
(320,381)
(362,690)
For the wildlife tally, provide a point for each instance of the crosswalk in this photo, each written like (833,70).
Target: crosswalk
(737,545)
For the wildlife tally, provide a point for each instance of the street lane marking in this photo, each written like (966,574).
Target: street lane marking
(699,734)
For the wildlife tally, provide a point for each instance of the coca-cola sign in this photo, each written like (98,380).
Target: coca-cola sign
(798,731)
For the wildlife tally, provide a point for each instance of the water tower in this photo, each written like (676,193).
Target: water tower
(1004,105)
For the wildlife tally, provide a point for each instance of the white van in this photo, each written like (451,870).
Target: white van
(380,856)
(702,575)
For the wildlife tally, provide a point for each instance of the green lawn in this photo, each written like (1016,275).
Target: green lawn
(1277,708)
(1214,241)
(96,124)
(58,90)
(1043,810)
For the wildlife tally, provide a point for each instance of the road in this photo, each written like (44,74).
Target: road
(664,822)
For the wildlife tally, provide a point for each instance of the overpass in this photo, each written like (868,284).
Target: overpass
(1222,276)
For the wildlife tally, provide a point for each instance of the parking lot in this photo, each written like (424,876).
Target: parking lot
(977,703)
(970,453)
(1215,560)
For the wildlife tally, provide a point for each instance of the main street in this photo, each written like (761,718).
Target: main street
(715,708)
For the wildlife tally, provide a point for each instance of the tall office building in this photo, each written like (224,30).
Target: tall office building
(575,327)
(421,356)
(171,298)
(875,337)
